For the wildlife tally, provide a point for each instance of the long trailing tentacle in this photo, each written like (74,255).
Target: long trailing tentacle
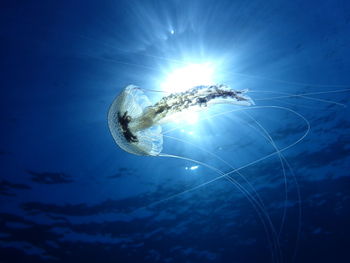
(262,213)
(285,95)
(255,203)
(250,163)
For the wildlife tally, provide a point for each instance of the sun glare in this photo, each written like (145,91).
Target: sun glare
(187,77)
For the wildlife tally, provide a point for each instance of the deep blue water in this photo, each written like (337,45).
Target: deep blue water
(69,194)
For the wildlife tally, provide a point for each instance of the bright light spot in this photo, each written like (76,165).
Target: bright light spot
(172,31)
(190,132)
(188,77)
(195,167)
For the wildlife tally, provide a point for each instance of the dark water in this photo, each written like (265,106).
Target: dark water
(69,194)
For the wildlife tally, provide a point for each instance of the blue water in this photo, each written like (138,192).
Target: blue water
(69,194)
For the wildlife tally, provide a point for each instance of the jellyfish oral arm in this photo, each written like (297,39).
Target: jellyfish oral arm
(195,99)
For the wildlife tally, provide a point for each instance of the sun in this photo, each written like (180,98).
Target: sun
(189,76)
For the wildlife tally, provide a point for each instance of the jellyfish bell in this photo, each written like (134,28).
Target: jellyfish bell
(135,123)
(129,130)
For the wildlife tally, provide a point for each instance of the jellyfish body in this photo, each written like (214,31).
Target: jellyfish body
(123,121)
(135,124)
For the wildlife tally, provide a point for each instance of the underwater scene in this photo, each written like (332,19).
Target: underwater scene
(199,131)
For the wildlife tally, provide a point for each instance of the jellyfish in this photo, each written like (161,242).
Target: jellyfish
(136,127)
(135,123)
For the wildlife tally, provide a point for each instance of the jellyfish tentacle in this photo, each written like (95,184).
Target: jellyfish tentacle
(285,95)
(267,136)
(262,213)
(289,82)
(257,160)
(255,199)
(283,159)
